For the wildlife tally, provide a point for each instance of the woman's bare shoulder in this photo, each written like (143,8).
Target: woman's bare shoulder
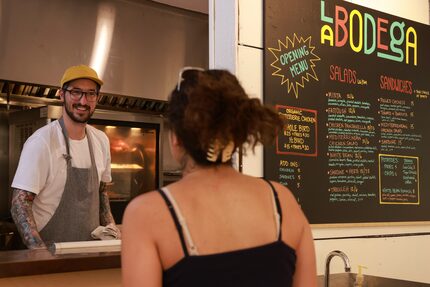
(145,208)
(292,212)
(284,192)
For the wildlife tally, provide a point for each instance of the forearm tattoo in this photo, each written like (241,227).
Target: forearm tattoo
(22,215)
(105,212)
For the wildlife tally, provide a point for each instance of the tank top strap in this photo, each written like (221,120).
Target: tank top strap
(180,223)
(277,210)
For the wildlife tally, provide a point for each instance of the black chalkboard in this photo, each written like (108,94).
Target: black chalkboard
(353,85)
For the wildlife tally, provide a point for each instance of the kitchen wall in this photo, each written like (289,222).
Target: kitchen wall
(236,43)
(136,46)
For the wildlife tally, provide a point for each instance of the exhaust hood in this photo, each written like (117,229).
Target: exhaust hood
(35,95)
(136,46)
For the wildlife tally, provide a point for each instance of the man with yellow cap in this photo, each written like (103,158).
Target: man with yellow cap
(59,189)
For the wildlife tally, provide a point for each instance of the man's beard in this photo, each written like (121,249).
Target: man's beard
(69,106)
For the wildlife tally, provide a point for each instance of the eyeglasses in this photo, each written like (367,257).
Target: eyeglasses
(77,95)
(182,73)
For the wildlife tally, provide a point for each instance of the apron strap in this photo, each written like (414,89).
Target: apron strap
(66,139)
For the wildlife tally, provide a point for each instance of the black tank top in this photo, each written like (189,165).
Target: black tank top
(271,264)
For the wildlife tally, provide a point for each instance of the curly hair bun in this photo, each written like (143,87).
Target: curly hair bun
(212,106)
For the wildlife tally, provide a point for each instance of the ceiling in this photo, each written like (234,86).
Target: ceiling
(194,5)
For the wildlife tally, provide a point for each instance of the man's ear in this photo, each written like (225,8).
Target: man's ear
(61,94)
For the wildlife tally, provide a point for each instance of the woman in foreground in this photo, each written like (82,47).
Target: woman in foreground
(216,226)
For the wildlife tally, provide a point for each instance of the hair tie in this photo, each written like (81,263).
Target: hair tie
(227,151)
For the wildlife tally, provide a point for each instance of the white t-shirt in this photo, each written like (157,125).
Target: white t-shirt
(42,168)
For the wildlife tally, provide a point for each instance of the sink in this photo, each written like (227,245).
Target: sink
(347,280)
(338,280)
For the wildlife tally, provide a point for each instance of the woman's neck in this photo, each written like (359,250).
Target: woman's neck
(192,170)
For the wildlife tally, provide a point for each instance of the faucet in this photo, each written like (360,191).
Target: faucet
(327,264)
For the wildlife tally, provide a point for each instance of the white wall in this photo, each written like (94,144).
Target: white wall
(236,43)
(416,10)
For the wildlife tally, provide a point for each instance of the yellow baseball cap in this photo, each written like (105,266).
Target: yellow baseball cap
(80,72)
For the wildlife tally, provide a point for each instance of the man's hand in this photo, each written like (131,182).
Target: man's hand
(114,230)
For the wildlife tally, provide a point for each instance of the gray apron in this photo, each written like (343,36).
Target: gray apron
(77,213)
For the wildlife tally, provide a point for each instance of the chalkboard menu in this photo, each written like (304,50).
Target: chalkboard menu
(353,85)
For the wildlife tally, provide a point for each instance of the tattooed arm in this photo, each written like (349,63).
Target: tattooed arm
(106,217)
(105,212)
(22,214)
